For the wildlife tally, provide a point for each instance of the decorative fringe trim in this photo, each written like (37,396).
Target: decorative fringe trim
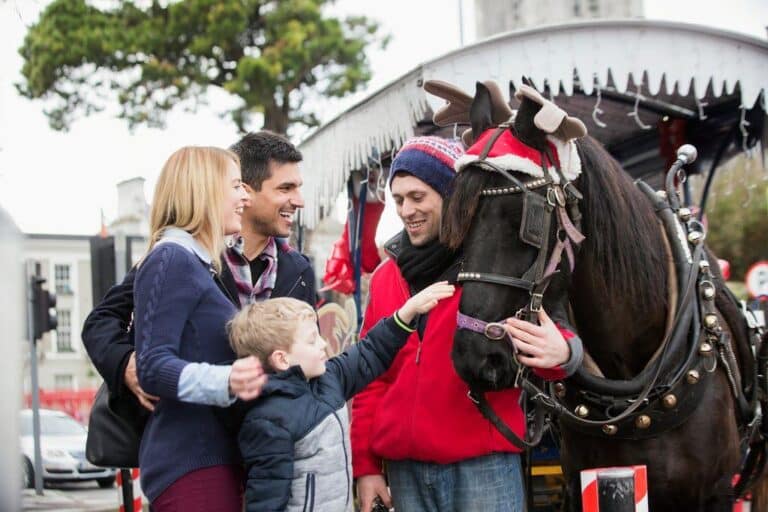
(383,122)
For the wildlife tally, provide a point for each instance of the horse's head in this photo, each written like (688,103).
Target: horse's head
(505,212)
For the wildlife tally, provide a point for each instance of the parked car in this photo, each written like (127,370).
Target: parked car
(62,445)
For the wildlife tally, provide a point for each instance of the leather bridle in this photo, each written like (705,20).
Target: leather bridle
(560,202)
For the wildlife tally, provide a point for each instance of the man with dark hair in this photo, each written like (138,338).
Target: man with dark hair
(257,150)
(415,422)
(259,264)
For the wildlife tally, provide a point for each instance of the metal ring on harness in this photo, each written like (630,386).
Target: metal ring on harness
(494,331)
(555,197)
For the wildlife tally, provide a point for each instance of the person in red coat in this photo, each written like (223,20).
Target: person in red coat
(415,422)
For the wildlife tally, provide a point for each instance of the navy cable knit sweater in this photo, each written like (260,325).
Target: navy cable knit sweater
(180,317)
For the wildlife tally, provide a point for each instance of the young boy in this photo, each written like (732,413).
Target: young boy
(295,437)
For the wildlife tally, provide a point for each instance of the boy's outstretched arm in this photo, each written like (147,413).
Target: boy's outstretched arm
(360,364)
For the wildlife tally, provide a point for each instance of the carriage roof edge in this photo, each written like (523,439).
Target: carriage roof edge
(735,65)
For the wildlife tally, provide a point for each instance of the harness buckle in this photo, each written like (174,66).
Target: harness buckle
(555,196)
(494,331)
(536,301)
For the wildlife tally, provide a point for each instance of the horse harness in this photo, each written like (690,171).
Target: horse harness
(561,202)
(665,393)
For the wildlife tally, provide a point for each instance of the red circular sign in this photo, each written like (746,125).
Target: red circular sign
(757,279)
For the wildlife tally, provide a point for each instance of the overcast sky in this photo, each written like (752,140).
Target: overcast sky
(53,182)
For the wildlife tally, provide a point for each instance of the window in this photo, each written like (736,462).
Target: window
(64,331)
(577,8)
(594,7)
(62,279)
(63,381)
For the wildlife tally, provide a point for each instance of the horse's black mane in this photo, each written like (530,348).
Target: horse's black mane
(621,228)
(623,233)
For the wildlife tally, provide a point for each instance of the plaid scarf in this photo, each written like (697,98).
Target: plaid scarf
(247,291)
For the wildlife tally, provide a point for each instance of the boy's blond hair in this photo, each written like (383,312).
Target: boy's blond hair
(263,327)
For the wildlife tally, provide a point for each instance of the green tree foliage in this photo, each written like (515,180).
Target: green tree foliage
(157,55)
(738,215)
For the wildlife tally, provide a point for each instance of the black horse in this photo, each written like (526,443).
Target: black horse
(618,297)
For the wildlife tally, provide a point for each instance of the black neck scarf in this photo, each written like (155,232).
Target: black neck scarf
(423,265)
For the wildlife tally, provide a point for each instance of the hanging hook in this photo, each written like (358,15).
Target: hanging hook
(700,106)
(381,182)
(743,123)
(636,111)
(597,110)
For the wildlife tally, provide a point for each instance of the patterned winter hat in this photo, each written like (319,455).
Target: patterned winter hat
(429,158)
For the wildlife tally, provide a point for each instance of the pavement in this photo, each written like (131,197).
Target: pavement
(61,501)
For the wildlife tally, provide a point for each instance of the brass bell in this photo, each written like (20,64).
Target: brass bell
(582,411)
(710,321)
(708,292)
(692,377)
(669,401)
(610,429)
(559,389)
(684,214)
(643,421)
(695,237)
(705,349)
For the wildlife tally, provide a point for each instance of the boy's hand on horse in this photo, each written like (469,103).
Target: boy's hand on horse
(425,300)
(370,486)
(539,346)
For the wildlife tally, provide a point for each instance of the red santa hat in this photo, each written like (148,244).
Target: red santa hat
(511,154)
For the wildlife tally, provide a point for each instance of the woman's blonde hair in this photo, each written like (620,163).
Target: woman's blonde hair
(189,195)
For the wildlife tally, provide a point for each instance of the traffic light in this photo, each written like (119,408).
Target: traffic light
(43,312)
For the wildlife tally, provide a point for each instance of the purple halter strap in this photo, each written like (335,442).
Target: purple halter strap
(491,330)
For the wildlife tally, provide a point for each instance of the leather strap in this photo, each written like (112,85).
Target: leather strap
(537,431)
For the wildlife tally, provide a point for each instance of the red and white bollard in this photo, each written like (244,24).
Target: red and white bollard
(128,490)
(744,505)
(617,489)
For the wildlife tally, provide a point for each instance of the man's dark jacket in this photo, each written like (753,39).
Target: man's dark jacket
(108,338)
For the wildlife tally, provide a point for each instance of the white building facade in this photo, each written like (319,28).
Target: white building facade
(497,16)
(65,261)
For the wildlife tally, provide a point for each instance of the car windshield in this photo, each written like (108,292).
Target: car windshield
(52,426)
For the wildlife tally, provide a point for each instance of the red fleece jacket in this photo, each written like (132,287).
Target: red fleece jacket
(419,408)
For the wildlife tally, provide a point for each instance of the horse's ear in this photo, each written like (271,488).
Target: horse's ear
(548,117)
(525,127)
(481,113)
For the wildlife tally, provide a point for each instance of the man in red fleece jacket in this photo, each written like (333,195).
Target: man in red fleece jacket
(440,453)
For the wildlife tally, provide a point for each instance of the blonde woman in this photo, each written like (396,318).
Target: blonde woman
(188,459)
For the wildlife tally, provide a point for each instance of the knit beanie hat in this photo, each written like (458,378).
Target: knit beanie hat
(429,158)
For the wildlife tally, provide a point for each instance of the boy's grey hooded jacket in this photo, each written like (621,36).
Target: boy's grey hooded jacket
(295,436)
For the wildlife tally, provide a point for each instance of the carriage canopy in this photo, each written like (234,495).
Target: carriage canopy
(642,88)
